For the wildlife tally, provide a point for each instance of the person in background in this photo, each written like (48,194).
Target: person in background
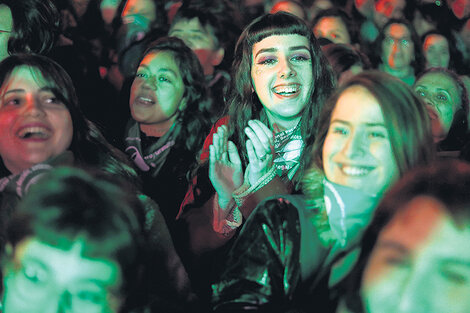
(412,258)
(28,26)
(346,61)
(399,51)
(446,99)
(291,6)
(335,25)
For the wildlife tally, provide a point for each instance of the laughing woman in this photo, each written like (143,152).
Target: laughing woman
(280,80)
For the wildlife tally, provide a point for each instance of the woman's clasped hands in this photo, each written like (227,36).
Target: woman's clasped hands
(225,166)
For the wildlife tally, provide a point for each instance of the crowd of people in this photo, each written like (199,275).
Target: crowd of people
(234,156)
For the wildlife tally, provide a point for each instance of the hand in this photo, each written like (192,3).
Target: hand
(225,166)
(260,150)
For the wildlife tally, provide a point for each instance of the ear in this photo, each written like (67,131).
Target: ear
(218,56)
(183,104)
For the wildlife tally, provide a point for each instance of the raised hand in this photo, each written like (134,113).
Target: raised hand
(225,167)
(260,150)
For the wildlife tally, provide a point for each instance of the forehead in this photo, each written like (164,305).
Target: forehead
(331,21)
(194,24)
(281,42)
(157,58)
(67,265)
(438,80)
(24,75)
(358,105)
(434,39)
(397,4)
(397,30)
(423,223)
(6,20)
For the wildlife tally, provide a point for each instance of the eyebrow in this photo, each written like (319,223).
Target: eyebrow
(18,90)
(388,244)
(348,123)
(293,48)
(160,70)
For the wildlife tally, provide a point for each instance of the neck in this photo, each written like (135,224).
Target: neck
(279,125)
(399,72)
(157,129)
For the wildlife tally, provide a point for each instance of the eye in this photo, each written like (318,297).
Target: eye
(141,75)
(377,134)
(421,93)
(454,277)
(340,130)
(34,274)
(164,79)
(405,42)
(91,296)
(267,61)
(14,101)
(441,97)
(300,58)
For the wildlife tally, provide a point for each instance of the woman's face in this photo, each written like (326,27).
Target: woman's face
(441,96)
(158,89)
(282,76)
(418,263)
(56,280)
(34,124)
(397,47)
(6,27)
(436,51)
(357,152)
(332,28)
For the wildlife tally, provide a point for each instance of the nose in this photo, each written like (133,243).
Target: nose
(355,146)
(150,82)
(33,106)
(416,294)
(286,69)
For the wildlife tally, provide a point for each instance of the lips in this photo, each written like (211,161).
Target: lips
(146,100)
(34,132)
(287,90)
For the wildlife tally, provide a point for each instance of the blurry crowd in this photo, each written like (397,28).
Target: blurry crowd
(234,156)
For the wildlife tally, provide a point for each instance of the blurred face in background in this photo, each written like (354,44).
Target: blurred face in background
(397,47)
(201,40)
(290,7)
(6,27)
(56,280)
(388,9)
(442,98)
(436,51)
(332,28)
(418,264)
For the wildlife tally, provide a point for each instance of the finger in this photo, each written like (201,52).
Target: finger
(259,148)
(260,127)
(215,145)
(233,154)
(252,157)
(222,131)
(212,160)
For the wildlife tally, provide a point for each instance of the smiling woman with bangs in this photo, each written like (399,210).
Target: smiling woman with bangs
(279,82)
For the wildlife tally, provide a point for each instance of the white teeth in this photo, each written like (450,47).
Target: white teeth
(146,100)
(38,132)
(286,89)
(355,171)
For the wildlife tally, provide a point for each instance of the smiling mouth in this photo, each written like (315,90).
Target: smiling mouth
(36,132)
(287,90)
(144,101)
(356,171)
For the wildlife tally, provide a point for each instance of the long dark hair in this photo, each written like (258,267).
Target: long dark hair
(35,26)
(244,105)
(194,117)
(88,144)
